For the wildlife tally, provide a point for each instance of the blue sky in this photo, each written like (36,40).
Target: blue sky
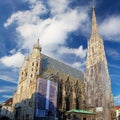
(64,27)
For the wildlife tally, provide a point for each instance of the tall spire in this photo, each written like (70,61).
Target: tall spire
(97,79)
(94,22)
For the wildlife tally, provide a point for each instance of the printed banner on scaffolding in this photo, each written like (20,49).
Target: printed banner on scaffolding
(46,97)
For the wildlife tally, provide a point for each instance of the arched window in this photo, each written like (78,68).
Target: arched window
(77,103)
(33,64)
(96,103)
(37,64)
(31,75)
(26,74)
(67,103)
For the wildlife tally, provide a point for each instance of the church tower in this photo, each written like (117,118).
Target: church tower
(24,97)
(97,80)
(29,71)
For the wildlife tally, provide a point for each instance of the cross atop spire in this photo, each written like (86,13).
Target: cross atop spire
(94,22)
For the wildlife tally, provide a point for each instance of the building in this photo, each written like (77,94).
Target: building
(6,108)
(98,93)
(74,91)
(117,108)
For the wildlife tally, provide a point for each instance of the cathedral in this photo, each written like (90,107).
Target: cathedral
(49,89)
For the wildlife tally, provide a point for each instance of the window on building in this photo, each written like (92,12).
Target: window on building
(33,64)
(22,73)
(24,102)
(77,103)
(17,113)
(92,49)
(6,112)
(67,103)
(27,117)
(32,69)
(31,75)
(30,104)
(37,64)
(84,118)
(91,71)
(96,103)
(23,117)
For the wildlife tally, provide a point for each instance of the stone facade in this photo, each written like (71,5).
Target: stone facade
(98,93)
(24,97)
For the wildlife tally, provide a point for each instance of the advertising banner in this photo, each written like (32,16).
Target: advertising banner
(46,98)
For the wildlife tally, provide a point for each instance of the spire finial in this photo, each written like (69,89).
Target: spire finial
(37,45)
(38,40)
(94,22)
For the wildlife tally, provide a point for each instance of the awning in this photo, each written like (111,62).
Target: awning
(81,112)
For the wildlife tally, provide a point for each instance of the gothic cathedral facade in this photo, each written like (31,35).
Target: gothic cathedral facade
(76,90)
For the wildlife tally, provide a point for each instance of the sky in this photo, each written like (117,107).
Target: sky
(63,27)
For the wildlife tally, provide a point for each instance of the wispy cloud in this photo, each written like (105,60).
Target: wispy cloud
(115,75)
(79,65)
(8,74)
(114,66)
(58,6)
(7,96)
(115,82)
(117,100)
(113,52)
(8,79)
(110,28)
(80,52)
(6,89)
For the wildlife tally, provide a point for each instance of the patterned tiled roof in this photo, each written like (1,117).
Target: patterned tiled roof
(48,62)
